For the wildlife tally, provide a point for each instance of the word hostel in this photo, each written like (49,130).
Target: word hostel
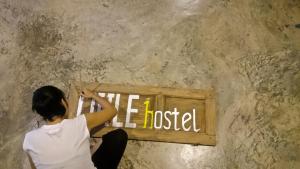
(167,120)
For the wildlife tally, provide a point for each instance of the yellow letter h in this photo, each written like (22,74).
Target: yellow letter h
(147,102)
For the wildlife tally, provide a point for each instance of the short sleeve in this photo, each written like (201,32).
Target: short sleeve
(82,125)
(25,144)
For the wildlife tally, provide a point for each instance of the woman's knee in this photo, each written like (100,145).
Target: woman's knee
(121,134)
(118,135)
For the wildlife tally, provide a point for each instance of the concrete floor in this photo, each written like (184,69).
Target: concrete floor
(248,51)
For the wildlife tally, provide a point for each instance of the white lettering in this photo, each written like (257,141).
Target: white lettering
(175,112)
(115,119)
(130,110)
(194,121)
(169,122)
(79,108)
(160,120)
(185,120)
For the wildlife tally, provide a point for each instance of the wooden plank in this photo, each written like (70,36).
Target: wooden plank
(164,136)
(210,116)
(163,114)
(72,100)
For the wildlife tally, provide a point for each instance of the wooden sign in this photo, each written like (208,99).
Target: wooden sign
(153,113)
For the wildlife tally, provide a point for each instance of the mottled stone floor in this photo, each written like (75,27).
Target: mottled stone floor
(248,51)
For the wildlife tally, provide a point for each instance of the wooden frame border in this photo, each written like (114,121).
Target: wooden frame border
(207,138)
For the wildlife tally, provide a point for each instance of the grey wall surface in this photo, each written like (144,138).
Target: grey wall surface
(247,50)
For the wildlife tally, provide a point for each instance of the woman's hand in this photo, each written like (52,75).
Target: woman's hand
(87,93)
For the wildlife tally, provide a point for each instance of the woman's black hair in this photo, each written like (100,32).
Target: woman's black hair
(47,102)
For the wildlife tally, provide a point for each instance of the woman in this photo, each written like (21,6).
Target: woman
(64,143)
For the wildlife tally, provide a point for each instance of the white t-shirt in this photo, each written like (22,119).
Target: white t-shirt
(64,145)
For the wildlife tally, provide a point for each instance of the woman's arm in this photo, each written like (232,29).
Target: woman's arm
(31,162)
(97,118)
